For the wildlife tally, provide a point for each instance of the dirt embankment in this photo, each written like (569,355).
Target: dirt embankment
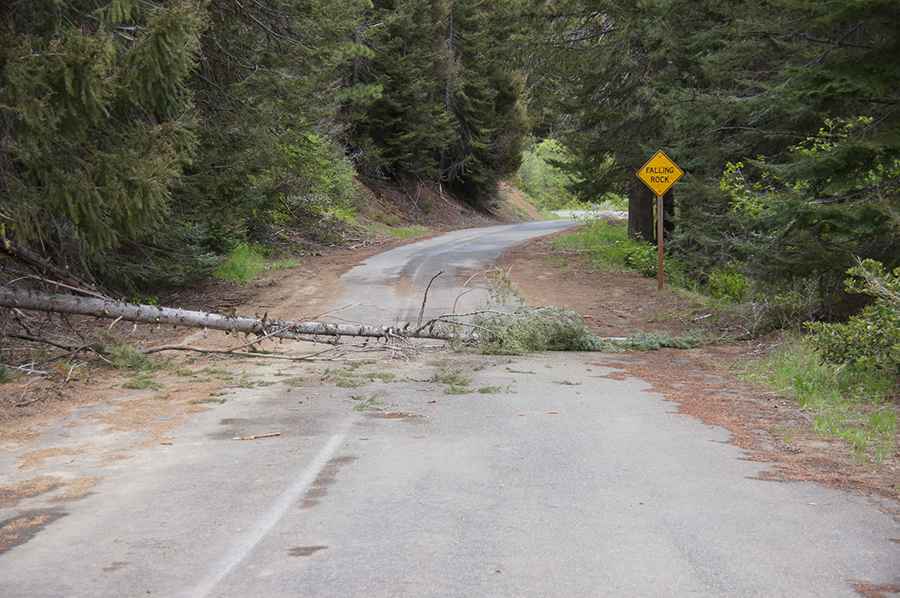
(704,382)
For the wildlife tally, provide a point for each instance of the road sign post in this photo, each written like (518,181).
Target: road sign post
(659,174)
(660,244)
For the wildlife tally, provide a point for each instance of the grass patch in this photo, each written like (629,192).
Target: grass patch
(606,244)
(490,390)
(385,377)
(282,264)
(400,232)
(846,403)
(243,264)
(609,248)
(452,377)
(457,390)
(371,403)
(246,262)
(343,378)
(143,381)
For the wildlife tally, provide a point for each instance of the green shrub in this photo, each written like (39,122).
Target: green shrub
(243,264)
(642,258)
(728,284)
(541,177)
(870,339)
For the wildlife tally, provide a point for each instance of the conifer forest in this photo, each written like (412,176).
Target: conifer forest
(142,141)
(449,298)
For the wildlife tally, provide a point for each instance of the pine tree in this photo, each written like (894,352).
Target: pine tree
(97,122)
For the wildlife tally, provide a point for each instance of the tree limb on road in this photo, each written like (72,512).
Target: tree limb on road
(151,314)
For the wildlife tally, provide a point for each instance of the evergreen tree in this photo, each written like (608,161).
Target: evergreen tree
(97,120)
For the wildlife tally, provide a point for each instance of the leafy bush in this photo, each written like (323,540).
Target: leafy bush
(643,258)
(728,284)
(242,265)
(541,177)
(870,339)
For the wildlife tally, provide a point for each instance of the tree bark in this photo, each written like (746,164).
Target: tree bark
(669,210)
(640,212)
(151,314)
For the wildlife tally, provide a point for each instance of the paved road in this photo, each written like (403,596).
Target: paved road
(565,483)
(388,287)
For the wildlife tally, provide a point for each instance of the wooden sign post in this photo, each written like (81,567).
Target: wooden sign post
(659,174)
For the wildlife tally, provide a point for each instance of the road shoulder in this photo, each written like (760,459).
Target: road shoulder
(704,382)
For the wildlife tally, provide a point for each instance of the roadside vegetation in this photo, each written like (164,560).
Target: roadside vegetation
(149,145)
(400,232)
(245,262)
(546,176)
(845,401)
(846,374)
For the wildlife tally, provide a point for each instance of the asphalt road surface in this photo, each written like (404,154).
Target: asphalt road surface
(560,482)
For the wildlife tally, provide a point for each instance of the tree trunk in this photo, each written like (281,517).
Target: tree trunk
(640,212)
(151,314)
(669,210)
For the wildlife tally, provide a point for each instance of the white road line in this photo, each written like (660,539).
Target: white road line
(245,545)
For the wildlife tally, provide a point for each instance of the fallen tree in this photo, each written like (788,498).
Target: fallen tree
(261,327)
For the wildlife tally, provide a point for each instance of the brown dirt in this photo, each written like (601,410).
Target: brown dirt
(13,494)
(23,527)
(703,382)
(35,459)
(613,303)
(871,590)
(515,206)
(77,489)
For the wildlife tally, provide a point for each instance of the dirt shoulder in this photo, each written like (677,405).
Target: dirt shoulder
(613,303)
(703,382)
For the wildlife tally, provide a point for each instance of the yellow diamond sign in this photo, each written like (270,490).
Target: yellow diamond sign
(660,173)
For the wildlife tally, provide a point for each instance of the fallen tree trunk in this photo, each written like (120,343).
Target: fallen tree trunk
(151,314)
